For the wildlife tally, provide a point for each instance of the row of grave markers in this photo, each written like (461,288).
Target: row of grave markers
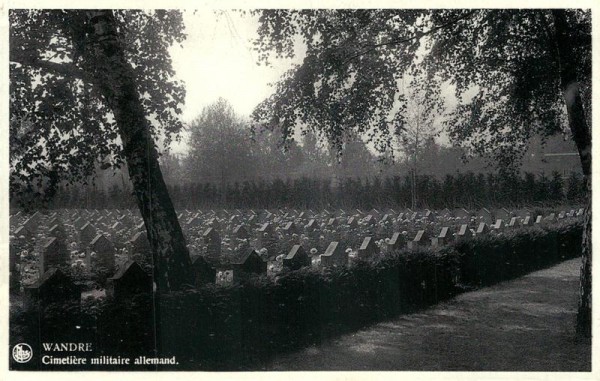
(54,251)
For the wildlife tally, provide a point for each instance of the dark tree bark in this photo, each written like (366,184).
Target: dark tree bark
(582,136)
(114,77)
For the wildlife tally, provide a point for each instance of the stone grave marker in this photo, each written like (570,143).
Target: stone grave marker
(53,254)
(464,232)
(311,225)
(486,216)
(503,214)
(21,231)
(352,222)
(116,226)
(140,227)
(212,240)
(290,228)
(462,213)
(442,238)
(214,223)
(397,241)
(421,239)
(241,232)
(248,262)
(78,223)
(296,258)
(53,286)
(368,248)
(429,215)
(129,280)
(139,244)
(57,231)
(369,220)
(334,256)
(204,272)
(498,225)
(101,253)
(86,234)
(483,228)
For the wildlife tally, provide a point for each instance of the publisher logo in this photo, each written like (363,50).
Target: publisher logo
(22,353)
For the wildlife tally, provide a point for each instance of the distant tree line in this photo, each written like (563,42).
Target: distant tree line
(468,190)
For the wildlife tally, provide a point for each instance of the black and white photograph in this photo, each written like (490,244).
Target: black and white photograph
(298,188)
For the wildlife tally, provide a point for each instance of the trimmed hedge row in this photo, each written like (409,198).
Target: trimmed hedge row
(217,328)
(229,327)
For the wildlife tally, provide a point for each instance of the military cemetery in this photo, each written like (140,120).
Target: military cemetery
(339,189)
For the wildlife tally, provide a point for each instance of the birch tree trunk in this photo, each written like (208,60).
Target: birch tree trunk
(114,77)
(582,136)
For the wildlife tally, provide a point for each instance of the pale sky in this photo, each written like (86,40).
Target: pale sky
(217,60)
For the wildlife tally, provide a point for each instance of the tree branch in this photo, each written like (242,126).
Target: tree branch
(31,58)
(417,36)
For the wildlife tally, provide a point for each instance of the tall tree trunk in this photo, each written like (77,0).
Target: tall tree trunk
(582,137)
(114,76)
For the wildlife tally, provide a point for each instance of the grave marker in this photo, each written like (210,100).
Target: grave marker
(101,253)
(397,241)
(53,286)
(212,240)
(421,239)
(53,254)
(368,248)
(204,272)
(296,258)
(483,228)
(130,280)
(441,239)
(334,256)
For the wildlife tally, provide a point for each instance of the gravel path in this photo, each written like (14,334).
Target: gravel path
(522,325)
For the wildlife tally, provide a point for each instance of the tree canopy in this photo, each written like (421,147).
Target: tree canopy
(503,64)
(60,124)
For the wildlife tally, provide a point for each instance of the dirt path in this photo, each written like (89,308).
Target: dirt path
(523,325)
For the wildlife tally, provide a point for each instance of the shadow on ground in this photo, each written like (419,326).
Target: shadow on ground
(527,324)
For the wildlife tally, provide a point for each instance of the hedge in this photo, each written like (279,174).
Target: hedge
(227,328)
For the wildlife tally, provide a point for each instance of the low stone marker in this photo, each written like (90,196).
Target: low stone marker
(101,252)
(139,244)
(130,280)
(464,232)
(54,254)
(397,241)
(212,240)
(204,272)
(482,228)
(368,248)
(296,258)
(334,256)
(53,286)
(441,239)
(421,239)
(86,234)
